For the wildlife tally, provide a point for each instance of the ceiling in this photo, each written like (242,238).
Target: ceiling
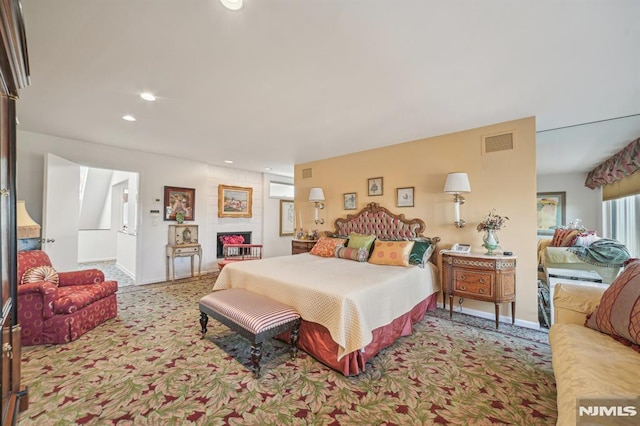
(282,82)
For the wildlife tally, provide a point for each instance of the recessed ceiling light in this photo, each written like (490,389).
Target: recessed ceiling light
(128,117)
(148,96)
(228,161)
(232,4)
(267,168)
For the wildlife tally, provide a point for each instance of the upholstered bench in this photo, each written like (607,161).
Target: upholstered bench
(253,316)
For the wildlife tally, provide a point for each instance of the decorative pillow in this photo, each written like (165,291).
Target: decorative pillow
(358,254)
(564,237)
(585,239)
(40,273)
(364,241)
(619,311)
(326,247)
(421,252)
(395,253)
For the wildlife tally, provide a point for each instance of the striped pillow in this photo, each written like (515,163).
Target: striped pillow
(40,273)
(619,311)
(564,237)
(358,254)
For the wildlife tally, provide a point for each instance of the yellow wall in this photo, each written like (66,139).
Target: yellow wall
(505,181)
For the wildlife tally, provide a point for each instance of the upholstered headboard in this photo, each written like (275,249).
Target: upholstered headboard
(378,221)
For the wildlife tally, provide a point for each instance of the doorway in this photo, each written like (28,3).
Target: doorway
(90,218)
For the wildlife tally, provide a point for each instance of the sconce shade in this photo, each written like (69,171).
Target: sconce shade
(316,194)
(27,227)
(457,183)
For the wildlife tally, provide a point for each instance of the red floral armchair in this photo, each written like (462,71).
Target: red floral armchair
(58,307)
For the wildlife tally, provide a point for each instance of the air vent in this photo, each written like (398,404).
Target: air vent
(306,173)
(496,143)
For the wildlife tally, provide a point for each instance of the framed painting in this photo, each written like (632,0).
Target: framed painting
(234,201)
(374,186)
(551,212)
(179,201)
(287,218)
(350,201)
(404,197)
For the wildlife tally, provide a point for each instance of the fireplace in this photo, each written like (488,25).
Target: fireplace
(246,235)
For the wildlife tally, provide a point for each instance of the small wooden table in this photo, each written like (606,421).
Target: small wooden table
(480,277)
(302,246)
(183,250)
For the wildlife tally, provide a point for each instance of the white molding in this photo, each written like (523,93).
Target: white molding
(502,318)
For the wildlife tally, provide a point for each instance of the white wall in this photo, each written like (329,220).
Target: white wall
(581,202)
(127,253)
(155,171)
(96,245)
(274,244)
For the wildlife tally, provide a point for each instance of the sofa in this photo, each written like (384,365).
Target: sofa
(588,363)
(58,307)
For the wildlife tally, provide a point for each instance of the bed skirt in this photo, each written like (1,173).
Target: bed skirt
(315,339)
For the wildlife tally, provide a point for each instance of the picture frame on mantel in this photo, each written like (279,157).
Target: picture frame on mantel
(234,201)
(179,200)
(551,212)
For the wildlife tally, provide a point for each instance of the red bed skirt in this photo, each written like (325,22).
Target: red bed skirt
(316,341)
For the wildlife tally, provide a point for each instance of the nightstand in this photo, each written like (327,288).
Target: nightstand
(480,277)
(302,246)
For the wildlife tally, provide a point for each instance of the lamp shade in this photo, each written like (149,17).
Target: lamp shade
(316,194)
(457,183)
(27,227)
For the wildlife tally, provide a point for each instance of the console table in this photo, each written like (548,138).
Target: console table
(480,277)
(183,242)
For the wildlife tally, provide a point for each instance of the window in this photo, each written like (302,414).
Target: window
(620,222)
(281,190)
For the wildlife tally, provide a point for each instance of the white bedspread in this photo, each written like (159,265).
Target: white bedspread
(349,298)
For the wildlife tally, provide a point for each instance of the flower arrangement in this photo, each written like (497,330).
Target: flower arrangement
(232,239)
(492,221)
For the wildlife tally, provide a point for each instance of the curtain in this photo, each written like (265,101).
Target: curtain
(624,163)
(620,222)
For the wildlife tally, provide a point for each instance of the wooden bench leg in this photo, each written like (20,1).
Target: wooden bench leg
(204,319)
(256,356)
(294,339)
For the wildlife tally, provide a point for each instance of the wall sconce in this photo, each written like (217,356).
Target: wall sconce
(456,184)
(316,195)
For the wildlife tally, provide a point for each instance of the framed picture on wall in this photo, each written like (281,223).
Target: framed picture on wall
(374,186)
(287,218)
(234,201)
(179,200)
(404,197)
(551,212)
(350,201)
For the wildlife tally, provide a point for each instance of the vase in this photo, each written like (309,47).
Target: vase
(490,240)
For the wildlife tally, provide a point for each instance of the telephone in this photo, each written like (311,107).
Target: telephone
(461,248)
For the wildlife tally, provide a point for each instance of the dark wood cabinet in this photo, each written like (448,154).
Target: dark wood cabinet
(302,246)
(480,277)
(14,74)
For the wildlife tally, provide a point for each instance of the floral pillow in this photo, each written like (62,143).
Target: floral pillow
(394,253)
(40,273)
(326,247)
(420,253)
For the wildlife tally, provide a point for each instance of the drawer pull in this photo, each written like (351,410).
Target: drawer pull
(483,281)
(463,277)
(482,290)
(463,288)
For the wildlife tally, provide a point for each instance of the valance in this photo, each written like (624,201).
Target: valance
(624,163)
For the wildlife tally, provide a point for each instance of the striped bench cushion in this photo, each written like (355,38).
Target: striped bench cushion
(253,312)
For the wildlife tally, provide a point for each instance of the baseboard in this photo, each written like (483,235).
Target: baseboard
(163,279)
(105,259)
(126,271)
(502,318)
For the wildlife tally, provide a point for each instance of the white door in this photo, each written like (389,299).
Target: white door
(61,212)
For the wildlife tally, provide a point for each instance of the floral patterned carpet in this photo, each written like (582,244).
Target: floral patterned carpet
(149,366)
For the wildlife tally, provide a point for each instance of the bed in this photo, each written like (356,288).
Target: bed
(344,321)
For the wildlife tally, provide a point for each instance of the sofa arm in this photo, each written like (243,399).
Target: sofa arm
(87,276)
(29,294)
(572,303)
